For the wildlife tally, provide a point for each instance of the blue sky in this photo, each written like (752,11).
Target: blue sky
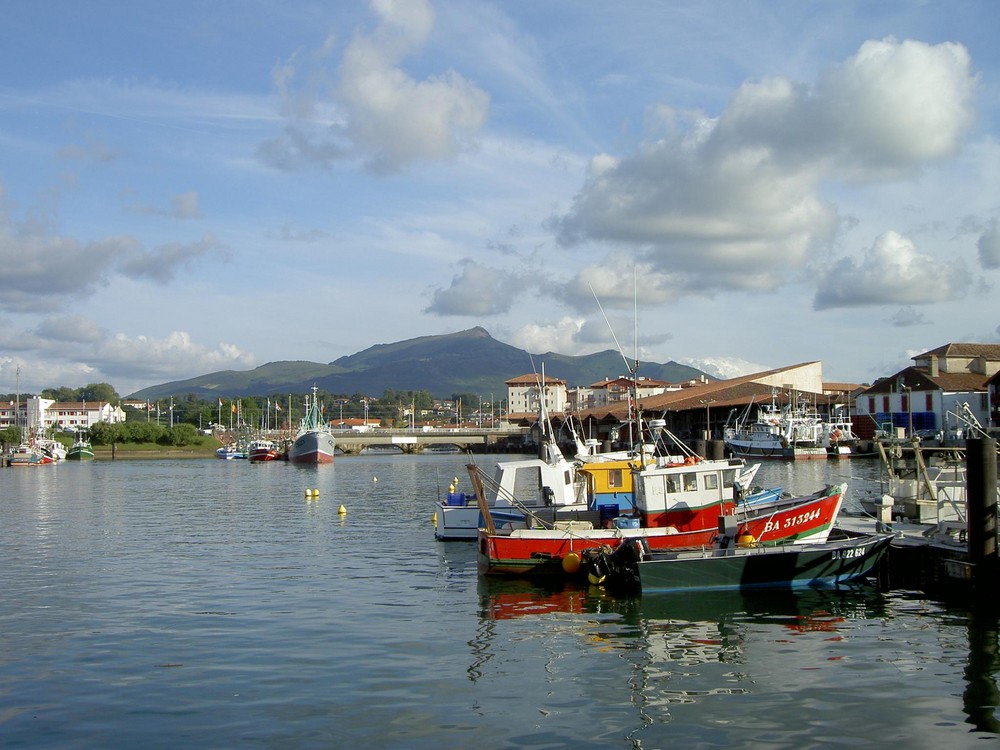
(192,187)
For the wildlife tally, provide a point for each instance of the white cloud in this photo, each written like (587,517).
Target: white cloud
(736,202)
(891,271)
(382,114)
(560,336)
(173,357)
(479,290)
(725,368)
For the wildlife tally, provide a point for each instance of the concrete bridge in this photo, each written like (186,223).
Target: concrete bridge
(415,441)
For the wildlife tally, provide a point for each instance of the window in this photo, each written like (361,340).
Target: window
(930,402)
(690,482)
(711,481)
(904,402)
(615,478)
(885,403)
(673,484)
(871,404)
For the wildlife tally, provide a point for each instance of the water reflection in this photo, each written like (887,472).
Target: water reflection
(981,698)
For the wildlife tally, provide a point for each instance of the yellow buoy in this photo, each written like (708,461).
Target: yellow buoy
(746,540)
(342,510)
(374,479)
(451,488)
(595,580)
(434,518)
(571,563)
(308,492)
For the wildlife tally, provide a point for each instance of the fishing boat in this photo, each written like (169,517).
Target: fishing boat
(792,432)
(732,563)
(29,454)
(81,449)
(231,451)
(592,488)
(314,442)
(263,449)
(676,505)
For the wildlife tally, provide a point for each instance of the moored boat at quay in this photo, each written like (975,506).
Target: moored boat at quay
(29,455)
(790,433)
(263,449)
(81,449)
(314,442)
(730,564)
(677,504)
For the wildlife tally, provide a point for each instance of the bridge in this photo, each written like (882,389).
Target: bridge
(415,441)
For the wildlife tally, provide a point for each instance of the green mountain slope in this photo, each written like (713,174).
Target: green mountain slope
(468,361)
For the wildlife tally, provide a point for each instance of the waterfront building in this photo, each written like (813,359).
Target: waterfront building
(936,397)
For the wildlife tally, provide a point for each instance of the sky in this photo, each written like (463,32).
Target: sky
(741,185)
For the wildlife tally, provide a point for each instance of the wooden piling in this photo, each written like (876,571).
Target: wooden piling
(981,501)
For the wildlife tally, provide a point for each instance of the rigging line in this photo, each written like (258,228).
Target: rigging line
(610,328)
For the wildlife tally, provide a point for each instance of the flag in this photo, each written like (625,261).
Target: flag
(234,407)
(220,403)
(277,406)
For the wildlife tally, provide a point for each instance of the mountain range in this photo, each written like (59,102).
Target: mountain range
(469,361)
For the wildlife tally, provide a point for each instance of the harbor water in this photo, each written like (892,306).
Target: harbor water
(218,604)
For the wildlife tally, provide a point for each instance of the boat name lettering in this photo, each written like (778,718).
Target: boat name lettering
(847,554)
(791,521)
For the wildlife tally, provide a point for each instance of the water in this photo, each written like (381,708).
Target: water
(210,604)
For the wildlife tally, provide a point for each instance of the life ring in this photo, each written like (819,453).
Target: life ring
(836,434)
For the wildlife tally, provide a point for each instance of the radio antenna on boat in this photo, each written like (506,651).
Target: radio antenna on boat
(633,369)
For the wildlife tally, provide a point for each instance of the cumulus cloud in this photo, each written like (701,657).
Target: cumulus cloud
(989,246)
(735,201)
(479,290)
(377,111)
(891,271)
(175,356)
(560,336)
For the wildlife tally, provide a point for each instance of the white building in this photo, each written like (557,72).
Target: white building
(43,413)
(523,394)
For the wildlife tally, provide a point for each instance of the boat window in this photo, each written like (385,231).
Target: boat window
(690,482)
(673,483)
(729,478)
(711,481)
(615,478)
